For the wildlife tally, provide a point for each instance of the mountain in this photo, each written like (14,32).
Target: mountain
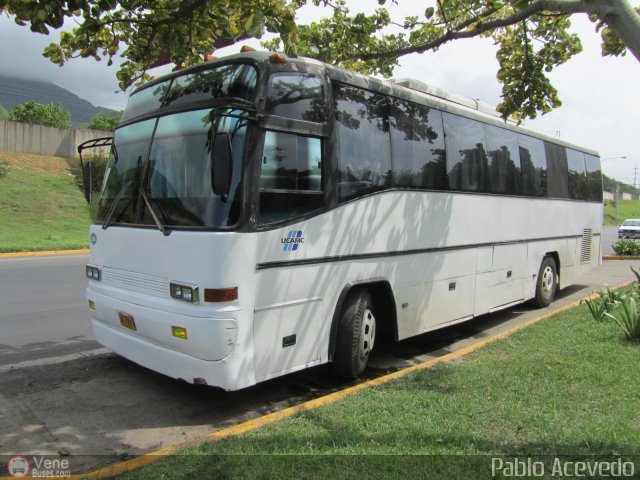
(14,91)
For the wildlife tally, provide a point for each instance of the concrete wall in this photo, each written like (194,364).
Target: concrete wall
(623,196)
(41,140)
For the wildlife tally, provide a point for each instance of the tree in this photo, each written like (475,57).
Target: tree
(533,38)
(149,33)
(50,115)
(533,35)
(4,113)
(105,122)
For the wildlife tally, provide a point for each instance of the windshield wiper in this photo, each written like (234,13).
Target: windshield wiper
(115,204)
(146,177)
(152,211)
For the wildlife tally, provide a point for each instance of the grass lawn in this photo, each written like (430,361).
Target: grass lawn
(41,205)
(628,209)
(564,386)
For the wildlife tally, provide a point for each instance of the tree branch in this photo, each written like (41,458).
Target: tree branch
(557,6)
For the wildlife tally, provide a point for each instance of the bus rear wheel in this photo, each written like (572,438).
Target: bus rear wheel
(547,283)
(356,335)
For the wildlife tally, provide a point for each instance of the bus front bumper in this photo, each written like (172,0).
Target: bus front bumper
(203,350)
(168,362)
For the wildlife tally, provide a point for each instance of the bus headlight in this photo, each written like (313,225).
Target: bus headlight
(186,293)
(93,273)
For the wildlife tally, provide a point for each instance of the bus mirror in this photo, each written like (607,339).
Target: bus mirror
(221,163)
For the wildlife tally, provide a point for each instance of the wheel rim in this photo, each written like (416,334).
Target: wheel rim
(548,281)
(368,333)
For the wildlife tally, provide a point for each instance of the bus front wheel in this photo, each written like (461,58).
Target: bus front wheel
(356,335)
(547,283)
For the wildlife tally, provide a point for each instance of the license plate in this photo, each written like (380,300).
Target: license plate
(127,321)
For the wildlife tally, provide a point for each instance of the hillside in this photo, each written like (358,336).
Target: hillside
(41,204)
(14,91)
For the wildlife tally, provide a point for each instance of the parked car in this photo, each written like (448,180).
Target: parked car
(629,229)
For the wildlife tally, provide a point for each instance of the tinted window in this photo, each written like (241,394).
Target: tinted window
(593,189)
(232,81)
(146,100)
(290,177)
(129,153)
(180,182)
(577,175)
(417,146)
(504,160)
(533,166)
(466,154)
(557,178)
(296,95)
(364,163)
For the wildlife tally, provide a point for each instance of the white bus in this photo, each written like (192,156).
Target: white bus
(262,214)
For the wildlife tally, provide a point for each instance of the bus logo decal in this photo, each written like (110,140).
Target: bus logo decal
(292,241)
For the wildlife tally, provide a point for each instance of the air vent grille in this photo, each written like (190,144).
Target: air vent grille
(135,282)
(585,250)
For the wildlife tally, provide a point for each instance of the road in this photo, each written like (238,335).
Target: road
(61,393)
(43,312)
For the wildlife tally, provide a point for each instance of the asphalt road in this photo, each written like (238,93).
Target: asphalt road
(42,311)
(60,393)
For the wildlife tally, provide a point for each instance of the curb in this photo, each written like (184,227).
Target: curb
(149,458)
(619,257)
(44,253)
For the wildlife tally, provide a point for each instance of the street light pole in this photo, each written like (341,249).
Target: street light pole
(617,204)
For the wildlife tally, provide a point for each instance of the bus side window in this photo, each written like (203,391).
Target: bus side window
(534,166)
(290,177)
(467,162)
(364,149)
(417,146)
(504,160)
(558,178)
(577,175)
(594,178)
(296,95)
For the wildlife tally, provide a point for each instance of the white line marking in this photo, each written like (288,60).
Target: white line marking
(53,360)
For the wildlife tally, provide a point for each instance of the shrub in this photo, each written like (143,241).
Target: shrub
(626,247)
(4,167)
(628,318)
(606,302)
(105,122)
(621,306)
(98,168)
(49,115)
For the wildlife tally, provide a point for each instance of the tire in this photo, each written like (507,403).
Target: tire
(356,335)
(547,283)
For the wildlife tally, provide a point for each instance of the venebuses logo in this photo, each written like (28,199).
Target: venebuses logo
(293,240)
(18,467)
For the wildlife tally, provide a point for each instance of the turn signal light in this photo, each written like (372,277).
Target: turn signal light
(210,57)
(247,48)
(220,294)
(179,332)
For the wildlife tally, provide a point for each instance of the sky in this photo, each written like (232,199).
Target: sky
(601,98)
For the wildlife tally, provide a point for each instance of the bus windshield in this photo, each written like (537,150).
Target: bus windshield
(164,167)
